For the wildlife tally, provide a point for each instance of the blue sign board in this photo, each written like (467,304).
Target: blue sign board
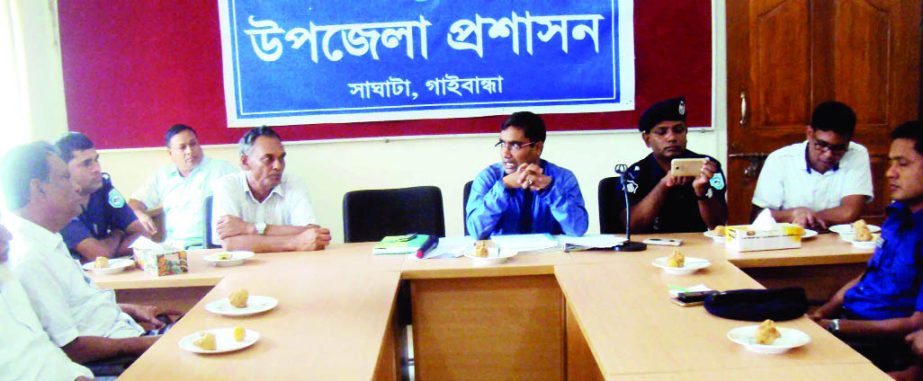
(303,62)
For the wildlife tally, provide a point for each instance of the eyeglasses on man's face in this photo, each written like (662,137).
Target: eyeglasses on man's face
(513,146)
(824,147)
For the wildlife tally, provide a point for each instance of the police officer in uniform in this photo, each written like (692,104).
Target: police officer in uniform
(660,202)
(107,225)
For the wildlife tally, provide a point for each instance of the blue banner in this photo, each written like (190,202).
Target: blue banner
(303,62)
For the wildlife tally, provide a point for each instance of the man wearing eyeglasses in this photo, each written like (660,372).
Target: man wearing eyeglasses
(823,181)
(522,193)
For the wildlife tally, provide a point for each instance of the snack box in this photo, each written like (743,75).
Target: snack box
(162,262)
(745,238)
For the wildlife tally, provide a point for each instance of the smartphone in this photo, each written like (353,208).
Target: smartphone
(686,167)
(663,241)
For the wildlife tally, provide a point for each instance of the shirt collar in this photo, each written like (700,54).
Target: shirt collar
(807,161)
(275,190)
(903,214)
(30,233)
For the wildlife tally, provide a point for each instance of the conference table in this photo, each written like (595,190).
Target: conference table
(541,316)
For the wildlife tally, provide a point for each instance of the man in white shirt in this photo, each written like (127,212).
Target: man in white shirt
(80,318)
(823,181)
(261,209)
(27,353)
(181,188)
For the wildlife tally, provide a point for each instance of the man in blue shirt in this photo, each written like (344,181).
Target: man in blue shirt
(659,201)
(884,303)
(107,224)
(522,193)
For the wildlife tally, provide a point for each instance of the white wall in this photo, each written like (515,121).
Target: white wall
(333,168)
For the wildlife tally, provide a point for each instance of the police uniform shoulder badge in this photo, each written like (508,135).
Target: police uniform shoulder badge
(115,199)
(717,181)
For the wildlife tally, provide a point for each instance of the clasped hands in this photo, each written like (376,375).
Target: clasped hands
(527,176)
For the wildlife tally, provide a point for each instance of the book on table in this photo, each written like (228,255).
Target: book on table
(401,244)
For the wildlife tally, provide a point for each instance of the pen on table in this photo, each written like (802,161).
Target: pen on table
(430,243)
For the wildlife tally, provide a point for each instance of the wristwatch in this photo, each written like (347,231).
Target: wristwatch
(834,326)
(260,228)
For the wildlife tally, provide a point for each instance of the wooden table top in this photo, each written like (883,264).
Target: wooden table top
(623,309)
(335,305)
(328,325)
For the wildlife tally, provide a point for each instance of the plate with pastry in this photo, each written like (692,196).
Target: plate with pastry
(678,264)
(716,234)
(241,303)
(103,265)
(228,258)
(857,231)
(871,243)
(219,340)
(768,338)
(493,256)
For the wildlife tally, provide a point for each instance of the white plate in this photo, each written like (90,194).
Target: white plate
(115,265)
(791,338)
(717,238)
(494,257)
(866,244)
(690,265)
(255,304)
(808,233)
(224,341)
(237,258)
(846,233)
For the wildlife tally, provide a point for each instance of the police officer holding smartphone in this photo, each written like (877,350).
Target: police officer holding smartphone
(660,201)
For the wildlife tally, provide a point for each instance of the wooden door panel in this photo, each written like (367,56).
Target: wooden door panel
(782,99)
(861,62)
(786,56)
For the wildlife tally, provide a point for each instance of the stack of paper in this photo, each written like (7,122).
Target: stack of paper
(524,242)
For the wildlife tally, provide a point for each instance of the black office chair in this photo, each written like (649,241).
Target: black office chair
(369,215)
(465,194)
(208,225)
(611,203)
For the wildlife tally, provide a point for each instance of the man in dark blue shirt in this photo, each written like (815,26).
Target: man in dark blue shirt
(107,225)
(660,202)
(884,303)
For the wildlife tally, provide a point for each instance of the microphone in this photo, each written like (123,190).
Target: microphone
(628,245)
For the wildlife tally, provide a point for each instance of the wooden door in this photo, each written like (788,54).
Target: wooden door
(786,56)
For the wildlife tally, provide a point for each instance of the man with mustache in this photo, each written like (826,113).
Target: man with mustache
(823,181)
(181,188)
(874,311)
(523,193)
(80,318)
(659,201)
(259,208)
(106,226)
(27,352)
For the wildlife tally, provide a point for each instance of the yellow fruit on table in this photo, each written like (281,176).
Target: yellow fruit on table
(767,333)
(239,333)
(676,259)
(239,298)
(206,341)
(101,263)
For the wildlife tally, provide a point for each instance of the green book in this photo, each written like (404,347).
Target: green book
(400,244)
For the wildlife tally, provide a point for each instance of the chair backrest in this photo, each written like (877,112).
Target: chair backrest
(611,203)
(208,225)
(465,194)
(369,215)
